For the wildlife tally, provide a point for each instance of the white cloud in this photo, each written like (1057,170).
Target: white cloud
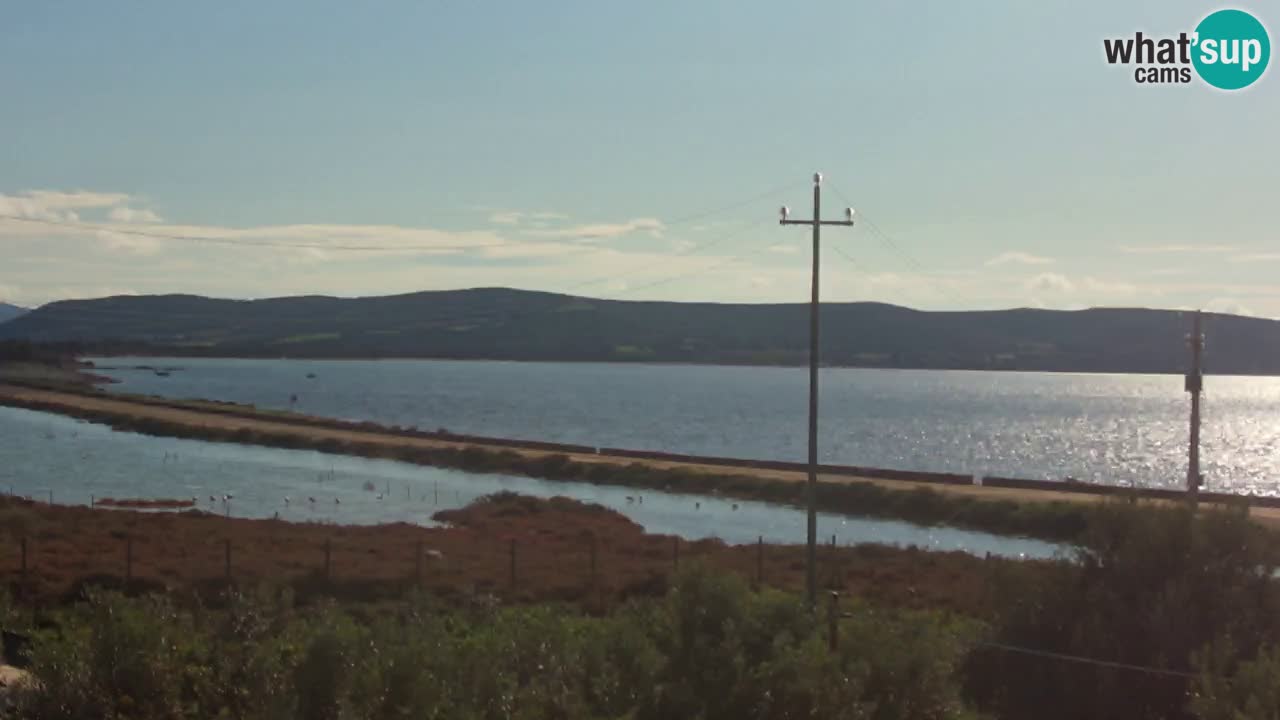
(76,200)
(603,231)
(1228,305)
(1256,257)
(55,261)
(137,244)
(529,250)
(287,239)
(1049,282)
(1017,258)
(517,217)
(506,217)
(1097,287)
(126,214)
(1175,249)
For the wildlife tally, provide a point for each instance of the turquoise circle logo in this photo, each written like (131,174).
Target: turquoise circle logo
(1231,49)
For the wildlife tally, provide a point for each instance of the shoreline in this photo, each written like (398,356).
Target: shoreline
(958,482)
(1047,514)
(655,363)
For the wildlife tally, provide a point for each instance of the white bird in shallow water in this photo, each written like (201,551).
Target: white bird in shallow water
(336,501)
(286,499)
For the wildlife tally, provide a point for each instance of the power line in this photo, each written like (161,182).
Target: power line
(732,206)
(699,271)
(857,266)
(705,245)
(1094,661)
(901,252)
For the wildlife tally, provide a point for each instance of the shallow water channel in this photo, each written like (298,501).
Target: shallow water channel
(76,461)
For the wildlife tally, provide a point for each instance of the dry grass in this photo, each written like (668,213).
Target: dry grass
(71,547)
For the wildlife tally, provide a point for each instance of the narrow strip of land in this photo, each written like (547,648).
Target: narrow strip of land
(69,403)
(202,419)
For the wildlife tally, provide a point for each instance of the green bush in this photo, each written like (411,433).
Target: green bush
(712,649)
(1149,586)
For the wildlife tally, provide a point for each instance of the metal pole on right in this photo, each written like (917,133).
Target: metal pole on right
(1194,385)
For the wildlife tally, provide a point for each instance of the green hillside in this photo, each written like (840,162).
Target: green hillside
(497,323)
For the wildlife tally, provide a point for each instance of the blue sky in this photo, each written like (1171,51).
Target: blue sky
(583,146)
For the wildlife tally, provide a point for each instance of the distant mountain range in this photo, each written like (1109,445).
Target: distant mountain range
(496,323)
(9,312)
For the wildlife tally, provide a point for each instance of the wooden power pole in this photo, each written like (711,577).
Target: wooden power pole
(811,487)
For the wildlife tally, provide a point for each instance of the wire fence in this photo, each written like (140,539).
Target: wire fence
(505,568)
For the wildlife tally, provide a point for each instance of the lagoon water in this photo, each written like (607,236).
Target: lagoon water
(41,453)
(1115,429)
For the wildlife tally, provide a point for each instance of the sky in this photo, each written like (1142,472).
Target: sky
(633,150)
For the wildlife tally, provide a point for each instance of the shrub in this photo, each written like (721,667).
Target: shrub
(1150,586)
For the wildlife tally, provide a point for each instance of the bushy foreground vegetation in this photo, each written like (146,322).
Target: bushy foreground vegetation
(1188,603)
(1160,613)
(712,648)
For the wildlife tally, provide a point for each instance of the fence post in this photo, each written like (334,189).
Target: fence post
(226,560)
(328,553)
(513,564)
(128,562)
(417,564)
(593,561)
(833,624)
(760,561)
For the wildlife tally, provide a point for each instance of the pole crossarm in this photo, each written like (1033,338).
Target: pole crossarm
(845,223)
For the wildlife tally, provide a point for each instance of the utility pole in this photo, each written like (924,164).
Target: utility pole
(1194,385)
(811,487)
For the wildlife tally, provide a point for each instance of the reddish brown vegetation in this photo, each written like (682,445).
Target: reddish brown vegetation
(69,547)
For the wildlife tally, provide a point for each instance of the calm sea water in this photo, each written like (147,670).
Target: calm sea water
(42,453)
(1116,429)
